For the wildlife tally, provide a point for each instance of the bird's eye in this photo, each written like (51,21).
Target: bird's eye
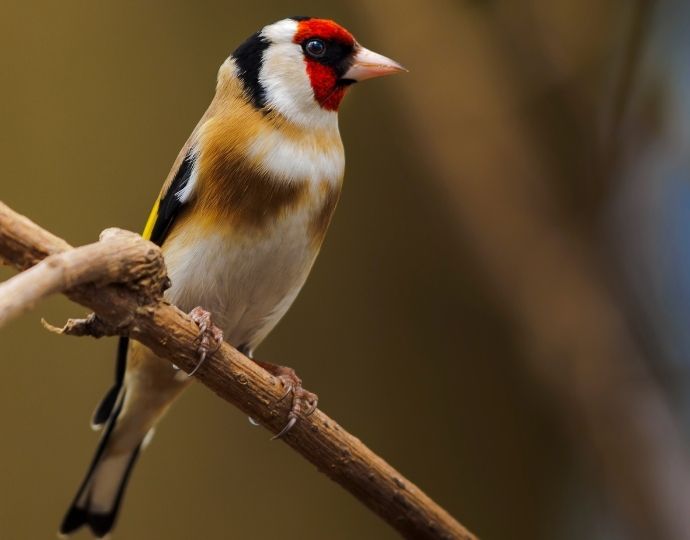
(315,48)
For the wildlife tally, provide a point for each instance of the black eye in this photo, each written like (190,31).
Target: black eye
(315,48)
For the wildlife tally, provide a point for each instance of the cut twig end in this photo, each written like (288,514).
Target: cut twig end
(91,326)
(52,329)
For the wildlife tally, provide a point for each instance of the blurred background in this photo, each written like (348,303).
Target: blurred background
(502,305)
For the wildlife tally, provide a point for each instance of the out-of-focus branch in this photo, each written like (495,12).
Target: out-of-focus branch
(638,35)
(499,186)
(122,278)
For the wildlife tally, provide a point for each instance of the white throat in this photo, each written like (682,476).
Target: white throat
(296,160)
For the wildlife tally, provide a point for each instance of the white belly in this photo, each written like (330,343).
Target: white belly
(247,282)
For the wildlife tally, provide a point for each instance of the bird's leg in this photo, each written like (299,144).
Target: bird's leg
(303,401)
(210,337)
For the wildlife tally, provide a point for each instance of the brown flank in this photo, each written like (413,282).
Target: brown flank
(322,219)
(246,197)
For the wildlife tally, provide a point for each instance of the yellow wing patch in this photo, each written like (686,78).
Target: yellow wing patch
(151,221)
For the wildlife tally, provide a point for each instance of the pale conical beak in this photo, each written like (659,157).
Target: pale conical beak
(368,65)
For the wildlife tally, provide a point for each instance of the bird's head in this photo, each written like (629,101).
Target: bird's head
(302,67)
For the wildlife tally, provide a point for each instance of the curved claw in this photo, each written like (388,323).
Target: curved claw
(289,390)
(196,368)
(203,357)
(287,428)
(303,402)
(208,333)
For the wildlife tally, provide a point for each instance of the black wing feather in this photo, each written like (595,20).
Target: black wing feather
(170,204)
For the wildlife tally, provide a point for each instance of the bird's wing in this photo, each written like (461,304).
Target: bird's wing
(177,189)
(172,200)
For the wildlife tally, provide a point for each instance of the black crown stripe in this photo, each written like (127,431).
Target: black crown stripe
(248,58)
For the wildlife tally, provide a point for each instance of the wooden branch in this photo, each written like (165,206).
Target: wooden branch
(118,256)
(132,305)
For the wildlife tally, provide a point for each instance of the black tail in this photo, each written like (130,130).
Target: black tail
(98,500)
(105,408)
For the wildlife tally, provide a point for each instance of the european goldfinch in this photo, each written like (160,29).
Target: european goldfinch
(240,220)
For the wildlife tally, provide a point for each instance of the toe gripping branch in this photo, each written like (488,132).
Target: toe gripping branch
(210,337)
(303,403)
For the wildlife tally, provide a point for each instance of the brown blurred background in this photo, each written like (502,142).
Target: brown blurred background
(500,310)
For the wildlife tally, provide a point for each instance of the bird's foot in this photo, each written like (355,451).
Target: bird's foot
(210,337)
(304,402)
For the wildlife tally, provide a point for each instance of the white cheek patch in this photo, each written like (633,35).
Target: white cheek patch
(284,78)
(294,160)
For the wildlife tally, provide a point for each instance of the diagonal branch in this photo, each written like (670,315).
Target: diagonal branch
(121,278)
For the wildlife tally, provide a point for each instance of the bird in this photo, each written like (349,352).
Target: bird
(240,220)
